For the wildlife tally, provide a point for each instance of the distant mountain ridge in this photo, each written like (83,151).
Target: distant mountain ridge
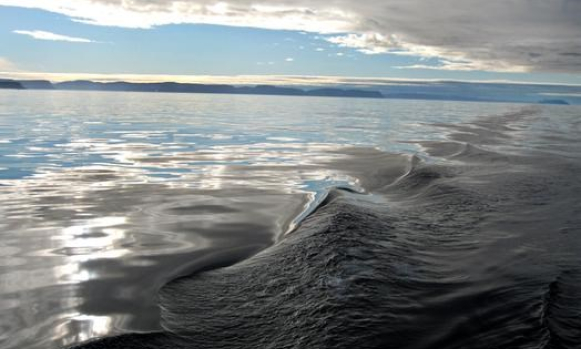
(37,84)
(411,90)
(554,101)
(174,87)
(11,84)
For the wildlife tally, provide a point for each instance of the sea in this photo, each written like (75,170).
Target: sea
(158,220)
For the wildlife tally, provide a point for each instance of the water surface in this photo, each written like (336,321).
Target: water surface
(455,209)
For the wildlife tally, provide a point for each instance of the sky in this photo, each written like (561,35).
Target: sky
(314,40)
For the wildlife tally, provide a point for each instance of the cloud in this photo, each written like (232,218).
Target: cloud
(279,80)
(369,43)
(43,35)
(495,35)
(7,66)
(468,66)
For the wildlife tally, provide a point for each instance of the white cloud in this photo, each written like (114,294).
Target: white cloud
(516,35)
(7,66)
(466,66)
(576,95)
(301,80)
(369,43)
(150,13)
(290,59)
(43,35)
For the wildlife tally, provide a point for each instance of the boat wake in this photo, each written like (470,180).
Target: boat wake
(472,244)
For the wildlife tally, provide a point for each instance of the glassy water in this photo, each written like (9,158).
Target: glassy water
(106,197)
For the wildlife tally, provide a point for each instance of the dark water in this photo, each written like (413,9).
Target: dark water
(428,225)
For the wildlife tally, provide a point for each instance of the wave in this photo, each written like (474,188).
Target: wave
(562,310)
(477,250)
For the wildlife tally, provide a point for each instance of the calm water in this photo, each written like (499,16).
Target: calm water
(105,198)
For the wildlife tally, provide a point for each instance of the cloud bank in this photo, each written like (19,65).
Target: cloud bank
(279,80)
(7,66)
(493,35)
(43,35)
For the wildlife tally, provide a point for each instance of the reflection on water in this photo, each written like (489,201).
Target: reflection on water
(105,197)
(114,233)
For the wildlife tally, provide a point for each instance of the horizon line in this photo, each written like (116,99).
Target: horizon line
(249,79)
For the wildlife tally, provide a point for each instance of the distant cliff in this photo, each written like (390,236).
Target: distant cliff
(434,97)
(344,93)
(10,84)
(422,90)
(218,89)
(37,84)
(554,101)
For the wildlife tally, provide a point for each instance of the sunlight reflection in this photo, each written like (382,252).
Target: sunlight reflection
(95,242)
(81,327)
(103,212)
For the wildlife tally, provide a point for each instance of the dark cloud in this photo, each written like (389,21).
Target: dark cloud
(504,35)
